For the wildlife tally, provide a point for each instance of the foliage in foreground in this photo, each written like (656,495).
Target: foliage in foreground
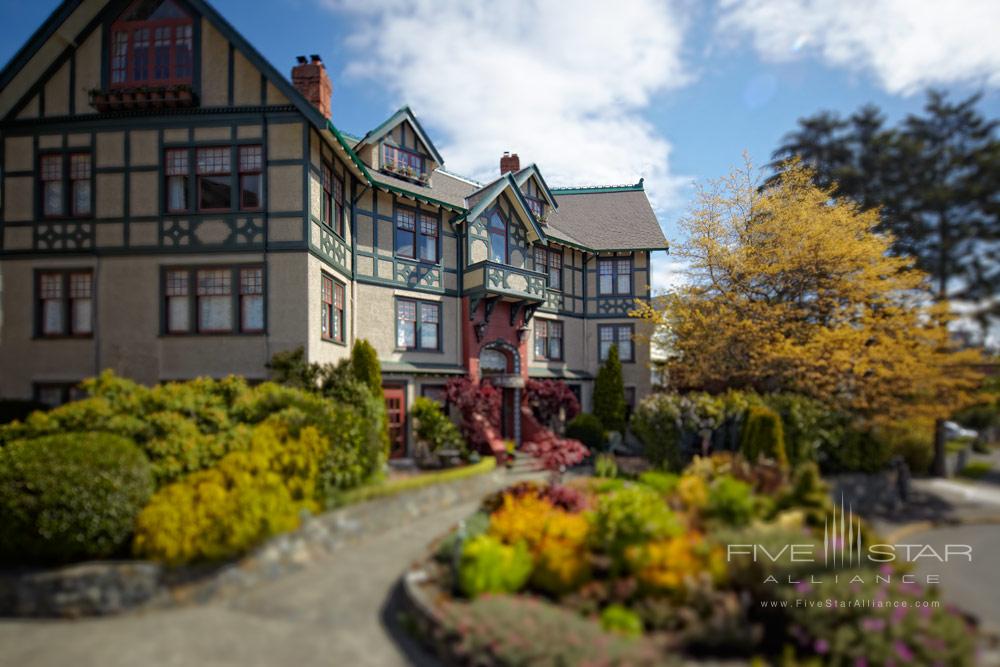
(70,496)
(793,290)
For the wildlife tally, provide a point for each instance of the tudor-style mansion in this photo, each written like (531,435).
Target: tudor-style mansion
(172,206)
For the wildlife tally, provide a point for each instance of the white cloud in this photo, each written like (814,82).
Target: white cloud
(906,44)
(564,85)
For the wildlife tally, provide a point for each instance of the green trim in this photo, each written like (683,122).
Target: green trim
(599,188)
(426,368)
(404,113)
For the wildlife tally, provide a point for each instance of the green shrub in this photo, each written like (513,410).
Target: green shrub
(859,450)
(665,423)
(249,496)
(730,501)
(808,493)
(763,435)
(621,620)
(912,440)
(586,428)
(70,496)
(366,367)
(605,466)
(489,566)
(632,515)
(656,423)
(663,483)
(808,425)
(976,470)
(609,393)
(433,428)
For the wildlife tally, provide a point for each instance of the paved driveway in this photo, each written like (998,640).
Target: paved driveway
(337,612)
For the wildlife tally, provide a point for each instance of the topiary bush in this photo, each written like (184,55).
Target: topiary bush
(609,393)
(621,620)
(249,496)
(587,428)
(70,496)
(489,566)
(366,367)
(763,435)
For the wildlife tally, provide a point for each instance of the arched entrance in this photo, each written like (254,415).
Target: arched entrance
(500,365)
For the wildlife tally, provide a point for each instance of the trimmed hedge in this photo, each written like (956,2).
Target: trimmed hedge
(763,435)
(396,486)
(70,496)
(586,428)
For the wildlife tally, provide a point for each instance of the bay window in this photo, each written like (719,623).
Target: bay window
(418,325)
(214,300)
(332,311)
(151,44)
(65,303)
(549,262)
(616,334)
(614,276)
(548,340)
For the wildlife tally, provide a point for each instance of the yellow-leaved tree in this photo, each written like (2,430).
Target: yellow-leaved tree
(791,289)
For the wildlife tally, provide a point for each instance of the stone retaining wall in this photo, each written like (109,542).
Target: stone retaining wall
(108,587)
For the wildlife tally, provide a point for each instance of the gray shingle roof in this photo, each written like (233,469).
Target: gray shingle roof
(606,219)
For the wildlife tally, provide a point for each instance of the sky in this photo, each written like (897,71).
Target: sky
(597,92)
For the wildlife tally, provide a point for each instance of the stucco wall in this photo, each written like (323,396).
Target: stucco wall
(376,321)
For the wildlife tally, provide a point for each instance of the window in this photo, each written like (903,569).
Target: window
(548,340)
(52,186)
(614,276)
(612,334)
(214,300)
(428,241)
(549,262)
(536,205)
(403,161)
(214,187)
(151,44)
(497,232)
(250,177)
(252,299)
(418,325)
(332,314)
(177,170)
(54,394)
(65,303)
(437,393)
(333,200)
(534,197)
(53,174)
(406,233)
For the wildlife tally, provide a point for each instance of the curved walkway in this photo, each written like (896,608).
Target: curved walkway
(338,612)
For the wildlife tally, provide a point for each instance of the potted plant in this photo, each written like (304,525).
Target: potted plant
(99,100)
(140,97)
(424,177)
(155,97)
(390,167)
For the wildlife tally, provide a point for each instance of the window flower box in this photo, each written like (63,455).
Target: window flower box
(120,99)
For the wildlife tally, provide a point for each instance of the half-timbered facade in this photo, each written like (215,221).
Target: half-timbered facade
(173,206)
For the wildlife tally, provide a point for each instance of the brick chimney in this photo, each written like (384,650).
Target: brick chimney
(310,79)
(509,162)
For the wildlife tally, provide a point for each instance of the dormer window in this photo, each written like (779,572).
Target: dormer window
(152,45)
(535,198)
(536,205)
(497,231)
(403,162)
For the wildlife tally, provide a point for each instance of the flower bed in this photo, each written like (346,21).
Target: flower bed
(636,572)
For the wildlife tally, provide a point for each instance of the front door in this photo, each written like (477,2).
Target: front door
(395,407)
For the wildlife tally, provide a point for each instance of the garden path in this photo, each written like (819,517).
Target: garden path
(337,612)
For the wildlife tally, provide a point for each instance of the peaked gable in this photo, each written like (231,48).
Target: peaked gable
(405,120)
(481,201)
(533,173)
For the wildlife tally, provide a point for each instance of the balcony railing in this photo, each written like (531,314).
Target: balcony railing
(504,280)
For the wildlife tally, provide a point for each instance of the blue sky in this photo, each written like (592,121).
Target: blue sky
(610,92)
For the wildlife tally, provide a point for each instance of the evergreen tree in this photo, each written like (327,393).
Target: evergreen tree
(366,367)
(609,393)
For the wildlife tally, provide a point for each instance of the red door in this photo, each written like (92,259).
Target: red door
(395,407)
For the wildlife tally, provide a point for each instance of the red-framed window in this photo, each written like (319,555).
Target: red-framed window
(66,185)
(65,303)
(418,325)
(496,230)
(406,232)
(549,262)
(213,300)
(252,299)
(152,44)
(333,200)
(614,276)
(408,163)
(616,334)
(332,313)
(548,340)
(214,170)
(251,159)
(177,169)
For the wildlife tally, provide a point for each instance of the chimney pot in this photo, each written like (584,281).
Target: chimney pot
(509,162)
(311,79)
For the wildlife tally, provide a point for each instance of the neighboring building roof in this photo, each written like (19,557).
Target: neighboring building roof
(606,218)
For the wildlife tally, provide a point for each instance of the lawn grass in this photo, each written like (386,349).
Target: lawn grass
(392,487)
(976,470)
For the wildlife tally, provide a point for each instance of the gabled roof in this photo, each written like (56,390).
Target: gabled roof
(616,217)
(532,169)
(491,192)
(404,114)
